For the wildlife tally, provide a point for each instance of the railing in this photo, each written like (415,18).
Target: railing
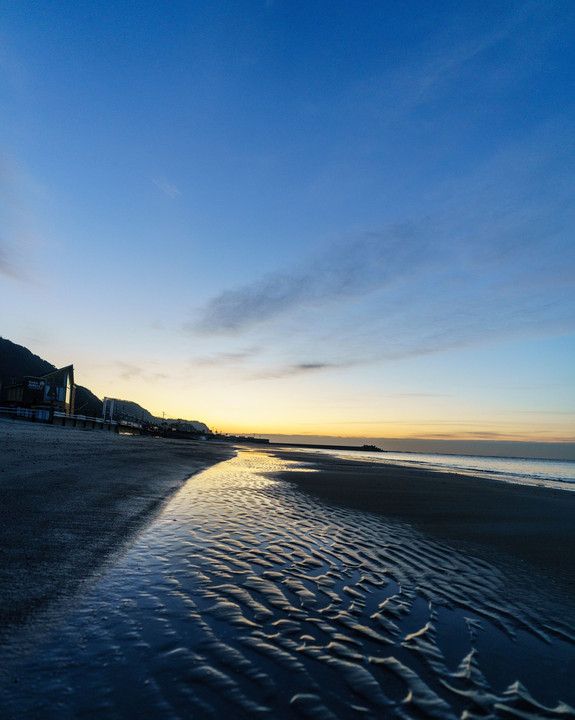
(56,417)
(12,412)
(45,415)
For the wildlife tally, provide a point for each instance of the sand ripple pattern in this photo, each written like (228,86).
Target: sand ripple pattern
(249,600)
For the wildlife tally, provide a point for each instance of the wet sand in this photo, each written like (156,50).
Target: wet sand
(248,598)
(72,501)
(532,525)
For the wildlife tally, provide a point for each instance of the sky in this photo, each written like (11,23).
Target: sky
(322,219)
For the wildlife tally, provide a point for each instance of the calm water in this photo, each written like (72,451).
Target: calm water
(247,599)
(552,473)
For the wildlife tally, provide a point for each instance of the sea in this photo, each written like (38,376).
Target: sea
(525,471)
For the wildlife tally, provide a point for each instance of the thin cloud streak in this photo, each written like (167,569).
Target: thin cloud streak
(224,359)
(298,369)
(436,71)
(128,372)
(420,395)
(21,242)
(166,187)
(15,217)
(346,270)
(7,268)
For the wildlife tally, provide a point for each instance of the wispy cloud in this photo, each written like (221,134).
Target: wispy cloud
(455,52)
(495,260)
(128,371)
(503,436)
(7,268)
(409,295)
(420,395)
(224,359)
(346,270)
(544,412)
(16,218)
(297,369)
(166,187)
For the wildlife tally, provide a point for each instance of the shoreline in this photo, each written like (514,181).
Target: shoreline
(529,526)
(71,502)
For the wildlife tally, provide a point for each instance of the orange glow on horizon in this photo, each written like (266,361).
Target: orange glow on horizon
(442,433)
(316,409)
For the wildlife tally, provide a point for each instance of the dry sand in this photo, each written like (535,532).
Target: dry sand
(71,501)
(531,526)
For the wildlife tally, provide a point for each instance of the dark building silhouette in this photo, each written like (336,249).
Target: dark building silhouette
(54,391)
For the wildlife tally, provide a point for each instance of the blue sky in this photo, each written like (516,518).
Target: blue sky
(327,218)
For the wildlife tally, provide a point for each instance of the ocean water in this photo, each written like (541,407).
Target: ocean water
(526,471)
(247,599)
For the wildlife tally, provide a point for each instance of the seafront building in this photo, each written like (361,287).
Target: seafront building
(45,394)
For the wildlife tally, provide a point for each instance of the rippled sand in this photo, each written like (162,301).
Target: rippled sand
(248,599)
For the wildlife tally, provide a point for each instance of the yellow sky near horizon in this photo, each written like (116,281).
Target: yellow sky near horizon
(323,404)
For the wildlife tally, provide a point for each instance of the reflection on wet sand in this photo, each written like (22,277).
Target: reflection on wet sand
(249,599)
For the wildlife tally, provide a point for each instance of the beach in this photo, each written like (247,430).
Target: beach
(532,526)
(272,583)
(71,501)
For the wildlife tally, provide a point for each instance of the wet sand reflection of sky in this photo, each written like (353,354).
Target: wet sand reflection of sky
(247,599)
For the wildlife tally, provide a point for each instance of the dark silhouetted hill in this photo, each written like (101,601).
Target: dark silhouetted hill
(16,362)
(86,403)
(132,412)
